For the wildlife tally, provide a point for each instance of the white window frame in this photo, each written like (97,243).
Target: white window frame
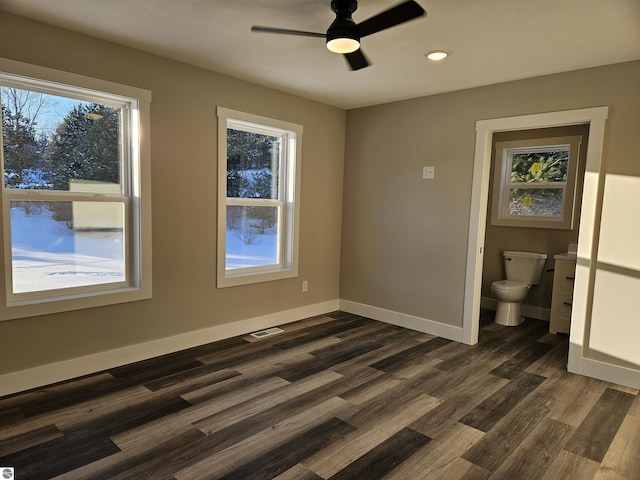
(287,202)
(502,184)
(135,195)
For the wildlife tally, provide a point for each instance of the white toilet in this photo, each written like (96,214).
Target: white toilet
(523,269)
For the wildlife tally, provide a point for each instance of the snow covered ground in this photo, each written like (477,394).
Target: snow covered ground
(263,251)
(47,255)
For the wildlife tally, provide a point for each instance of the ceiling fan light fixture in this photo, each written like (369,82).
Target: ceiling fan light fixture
(342,35)
(343,45)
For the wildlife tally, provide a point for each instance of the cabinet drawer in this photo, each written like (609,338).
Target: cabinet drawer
(565,268)
(563,283)
(560,315)
(563,286)
(560,325)
(563,307)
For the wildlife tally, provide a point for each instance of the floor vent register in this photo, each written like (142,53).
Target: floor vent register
(267,333)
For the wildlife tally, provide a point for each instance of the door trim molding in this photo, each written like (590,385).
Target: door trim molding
(587,241)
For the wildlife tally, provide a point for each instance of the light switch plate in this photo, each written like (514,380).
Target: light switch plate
(428,172)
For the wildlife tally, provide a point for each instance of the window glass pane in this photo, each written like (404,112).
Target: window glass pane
(252,164)
(535,202)
(548,166)
(57,143)
(252,236)
(66,244)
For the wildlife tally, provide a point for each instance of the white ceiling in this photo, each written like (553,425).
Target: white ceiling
(490,41)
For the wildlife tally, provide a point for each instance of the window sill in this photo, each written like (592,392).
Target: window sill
(229,280)
(46,306)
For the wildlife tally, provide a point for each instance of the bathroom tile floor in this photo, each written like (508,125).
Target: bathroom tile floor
(333,397)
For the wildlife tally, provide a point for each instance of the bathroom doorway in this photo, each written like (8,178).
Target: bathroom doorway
(527,236)
(592,193)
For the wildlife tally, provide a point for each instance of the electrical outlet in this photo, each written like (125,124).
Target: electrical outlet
(305,285)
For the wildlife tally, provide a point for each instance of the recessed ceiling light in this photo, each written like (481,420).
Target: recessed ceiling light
(437,55)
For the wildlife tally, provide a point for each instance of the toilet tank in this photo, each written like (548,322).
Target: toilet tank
(525,267)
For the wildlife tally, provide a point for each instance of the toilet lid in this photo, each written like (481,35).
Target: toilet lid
(509,285)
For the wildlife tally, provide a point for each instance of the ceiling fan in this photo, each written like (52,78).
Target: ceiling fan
(343,35)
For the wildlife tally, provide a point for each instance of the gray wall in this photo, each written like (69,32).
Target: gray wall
(184,179)
(404,239)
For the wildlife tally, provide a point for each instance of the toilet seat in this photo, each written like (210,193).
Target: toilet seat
(509,285)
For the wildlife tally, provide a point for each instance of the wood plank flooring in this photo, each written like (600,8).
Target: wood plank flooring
(333,397)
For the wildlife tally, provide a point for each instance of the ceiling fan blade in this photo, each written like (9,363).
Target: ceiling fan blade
(285,31)
(390,18)
(356,60)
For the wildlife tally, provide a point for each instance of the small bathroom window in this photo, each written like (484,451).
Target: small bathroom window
(535,182)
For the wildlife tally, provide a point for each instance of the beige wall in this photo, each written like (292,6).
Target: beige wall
(542,240)
(183,149)
(404,239)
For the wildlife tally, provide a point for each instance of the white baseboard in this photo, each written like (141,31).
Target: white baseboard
(403,320)
(76,367)
(530,311)
(56,372)
(605,371)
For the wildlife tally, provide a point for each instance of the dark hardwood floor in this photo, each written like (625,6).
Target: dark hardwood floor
(333,397)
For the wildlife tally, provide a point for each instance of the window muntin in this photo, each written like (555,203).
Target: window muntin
(258,181)
(254,205)
(534,182)
(73,237)
(537,180)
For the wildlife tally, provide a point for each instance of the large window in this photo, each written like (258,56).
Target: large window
(73,219)
(258,214)
(534,182)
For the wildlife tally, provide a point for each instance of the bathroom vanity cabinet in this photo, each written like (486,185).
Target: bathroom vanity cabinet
(562,295)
